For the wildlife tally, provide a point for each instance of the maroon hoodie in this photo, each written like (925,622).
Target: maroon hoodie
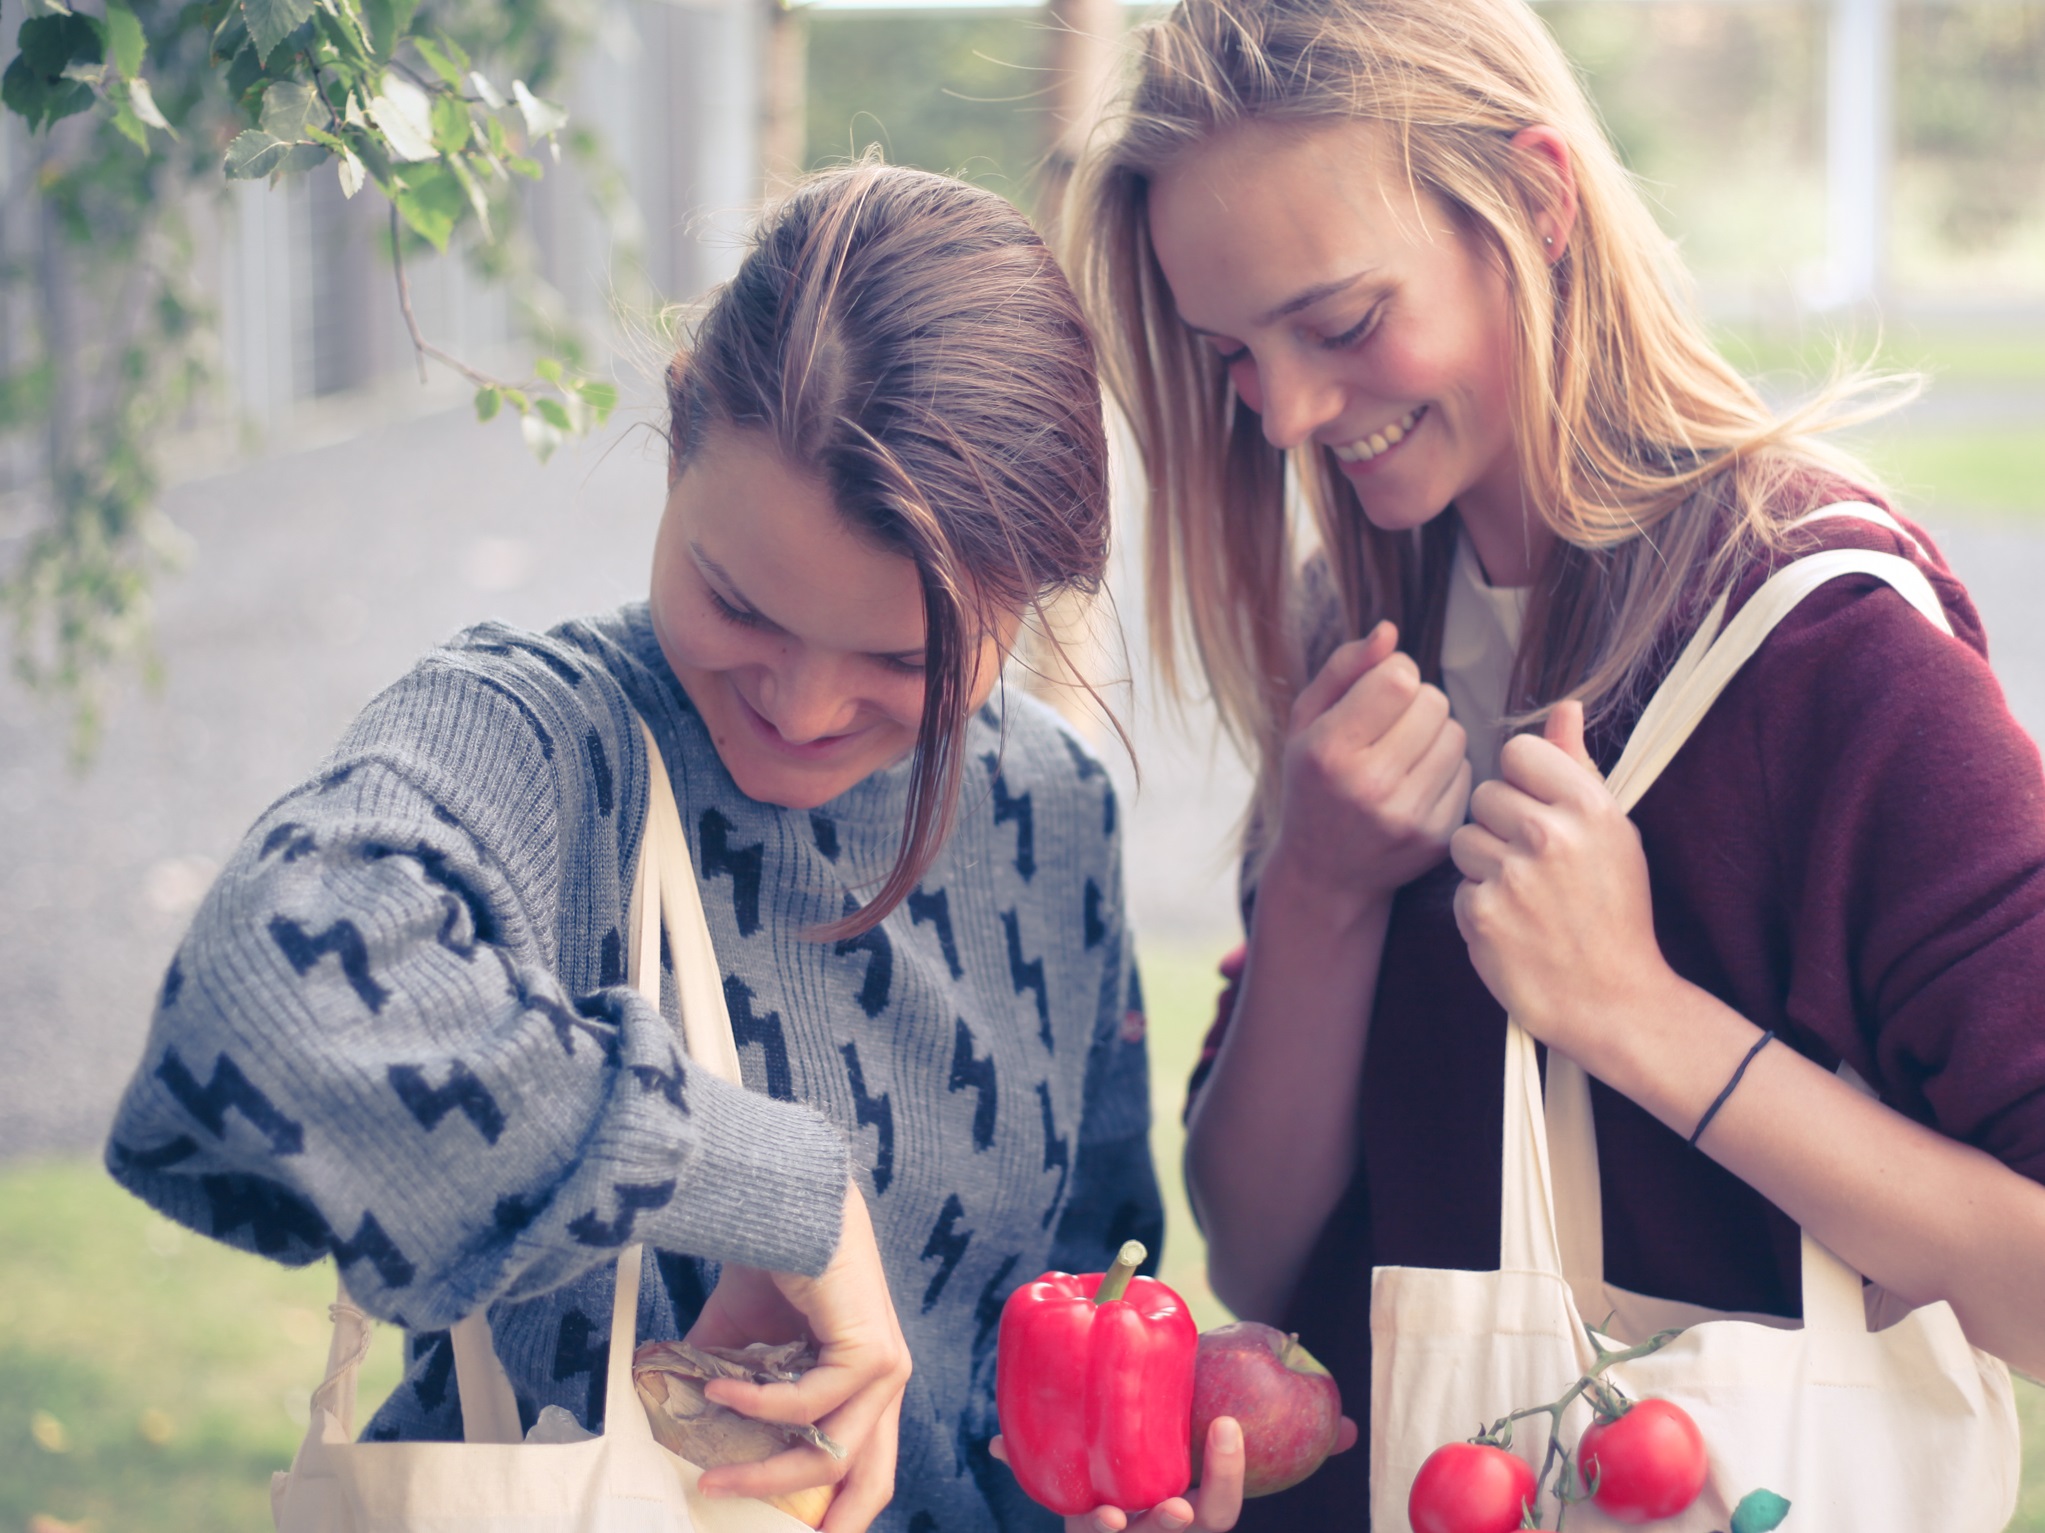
(1850,850)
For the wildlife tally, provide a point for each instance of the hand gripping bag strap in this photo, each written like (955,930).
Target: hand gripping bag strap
(1832,1291)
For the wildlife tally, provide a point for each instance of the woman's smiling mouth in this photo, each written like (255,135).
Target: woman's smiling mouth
(1380,441)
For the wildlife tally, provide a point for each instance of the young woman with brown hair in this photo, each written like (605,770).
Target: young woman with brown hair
(399,1032)
(1378,252)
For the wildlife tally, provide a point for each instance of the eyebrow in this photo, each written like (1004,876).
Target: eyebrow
(1305,300)
(722,576)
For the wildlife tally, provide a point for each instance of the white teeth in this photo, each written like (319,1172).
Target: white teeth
(1378,441)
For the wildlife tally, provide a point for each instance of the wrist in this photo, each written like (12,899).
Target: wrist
(1307,901)
(1660,1039)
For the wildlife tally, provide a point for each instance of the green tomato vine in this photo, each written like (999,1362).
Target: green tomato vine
(140,109)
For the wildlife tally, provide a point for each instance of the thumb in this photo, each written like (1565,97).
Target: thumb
(1564,730)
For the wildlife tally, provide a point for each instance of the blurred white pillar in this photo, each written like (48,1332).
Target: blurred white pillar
(1860,90)
(259,306)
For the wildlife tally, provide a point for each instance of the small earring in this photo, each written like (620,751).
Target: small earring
(1547,239)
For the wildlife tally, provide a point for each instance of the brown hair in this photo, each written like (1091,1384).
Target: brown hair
(909,339)
(1658,467)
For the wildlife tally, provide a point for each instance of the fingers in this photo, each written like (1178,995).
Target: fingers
(791,1470)
(1345,1435)
(1219,1501)
(1564,731)
(1478,854)
(1342,670)
(870,1484)
(1549,771)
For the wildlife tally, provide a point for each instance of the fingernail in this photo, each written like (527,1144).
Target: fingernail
(1170,1523)
(1101,1525)
(1228,1435)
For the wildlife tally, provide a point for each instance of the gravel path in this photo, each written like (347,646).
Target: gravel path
(318,577)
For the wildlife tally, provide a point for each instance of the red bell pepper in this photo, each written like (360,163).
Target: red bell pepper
(1094,1387)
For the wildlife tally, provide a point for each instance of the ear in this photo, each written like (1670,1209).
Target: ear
(1556,220)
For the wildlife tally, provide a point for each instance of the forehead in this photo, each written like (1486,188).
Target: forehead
(1261,211)
(774,530)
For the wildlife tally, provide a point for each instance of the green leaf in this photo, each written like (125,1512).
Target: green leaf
(554,413)
(519,165)
(441,64)
(600,397)
(488,402)
(253,155)
(541,437)
(231,36)
(124,33)
(25,396)
(51,44)
(477,201)
(405,114)
(290,110)
(36,85)
(455,51)
(517,400)
(548,369)
(541,117)
(143,100)
(271,21)
(388,20)
(432,202)
(342,28)
(450,123)
(1759,1511)
(129,126)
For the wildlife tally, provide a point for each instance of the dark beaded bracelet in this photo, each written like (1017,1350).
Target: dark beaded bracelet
(1719,1101)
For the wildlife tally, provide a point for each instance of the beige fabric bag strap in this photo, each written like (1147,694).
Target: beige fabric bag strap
(664,891)
(1832,1294)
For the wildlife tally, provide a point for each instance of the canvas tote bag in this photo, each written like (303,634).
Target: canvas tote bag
(1906,1427)
(494,1482)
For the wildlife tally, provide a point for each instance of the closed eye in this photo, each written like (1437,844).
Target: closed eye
(741,617)
(1355,333)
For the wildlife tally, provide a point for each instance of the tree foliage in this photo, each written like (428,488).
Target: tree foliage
(140,110)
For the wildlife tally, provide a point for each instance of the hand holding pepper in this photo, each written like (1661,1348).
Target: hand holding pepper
(1213,1508)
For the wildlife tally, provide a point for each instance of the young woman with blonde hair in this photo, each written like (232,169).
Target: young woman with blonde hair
(1378,252)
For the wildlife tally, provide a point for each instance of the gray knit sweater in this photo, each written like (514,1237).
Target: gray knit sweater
(398,1033)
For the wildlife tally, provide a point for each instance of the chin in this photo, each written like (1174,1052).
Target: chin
(773,783)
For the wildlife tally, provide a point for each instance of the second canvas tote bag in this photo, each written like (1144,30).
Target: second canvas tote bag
(1904,1428)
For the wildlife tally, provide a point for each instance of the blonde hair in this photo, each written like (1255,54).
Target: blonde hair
(1658,467)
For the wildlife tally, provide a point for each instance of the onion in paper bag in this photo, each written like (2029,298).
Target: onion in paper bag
(670,1376)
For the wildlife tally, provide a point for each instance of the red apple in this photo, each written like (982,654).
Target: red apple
(1286,1403)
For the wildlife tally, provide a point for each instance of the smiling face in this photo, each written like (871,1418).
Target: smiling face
(798,639)
(1354,313)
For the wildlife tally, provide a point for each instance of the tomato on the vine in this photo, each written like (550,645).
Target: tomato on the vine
(1646,1464)
(1470,1488)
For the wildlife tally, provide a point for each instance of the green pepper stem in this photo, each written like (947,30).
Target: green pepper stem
(1115,1281)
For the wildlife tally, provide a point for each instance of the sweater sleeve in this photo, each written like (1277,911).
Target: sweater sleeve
(364,1046)
(1115,1192)
(1909,810)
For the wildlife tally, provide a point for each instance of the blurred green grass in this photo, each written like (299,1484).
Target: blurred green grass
(107,1311)
(1977,448)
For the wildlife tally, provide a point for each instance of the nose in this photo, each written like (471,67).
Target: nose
(807,698)
(1295,399)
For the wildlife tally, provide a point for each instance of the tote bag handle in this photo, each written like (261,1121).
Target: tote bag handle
(664,893)
(1550,1175)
